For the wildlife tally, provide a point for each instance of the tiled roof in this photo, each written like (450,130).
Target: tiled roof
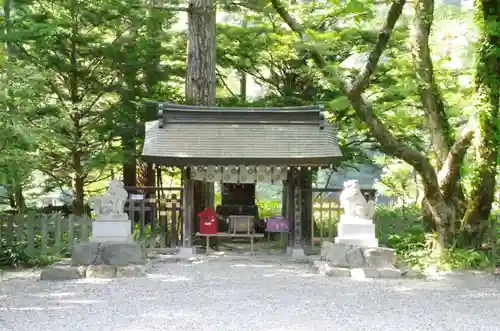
(189,135)
(240,141)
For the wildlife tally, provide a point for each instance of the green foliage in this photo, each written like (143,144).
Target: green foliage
(269,208)
(397,220)
(401,228)
(415,249)
(137,232)
(17,255)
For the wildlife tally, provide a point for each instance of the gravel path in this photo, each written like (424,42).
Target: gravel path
(247,295)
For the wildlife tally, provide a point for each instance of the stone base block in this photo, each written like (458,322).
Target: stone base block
(379,257)
(389,272)
(363,273)
(131,271)
(342,256)
(360,242)
(118,230)
(101,271)
(353,256)
(105,271)
(337,272)
(63,273)
(363,262)
(118,254)
(323,268)
(186,252)
(296,253)
(412,274)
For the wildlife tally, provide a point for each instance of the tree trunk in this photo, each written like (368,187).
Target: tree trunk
(476,218)
(449,153)
(76,117)
(201,75)
(19,198)
(129,165)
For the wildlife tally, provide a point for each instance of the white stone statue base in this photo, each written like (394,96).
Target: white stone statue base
(186,252)
(356,231)
(295,252)
(115,230)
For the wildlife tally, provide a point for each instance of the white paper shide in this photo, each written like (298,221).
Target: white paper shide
(111,223)
(356,224)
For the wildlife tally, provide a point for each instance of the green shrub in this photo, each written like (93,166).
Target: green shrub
(16,255)
(390,220)
(414,248)
(457,258)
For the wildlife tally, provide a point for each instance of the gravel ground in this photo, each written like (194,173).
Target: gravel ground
(249,295)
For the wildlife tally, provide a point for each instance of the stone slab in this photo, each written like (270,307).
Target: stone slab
(101,271)
(63,273)
(412,274)
(131,271)
(379,257)
(95,253)
(363,273)
(389,272)
(342,256)
(360,242)
(337,272)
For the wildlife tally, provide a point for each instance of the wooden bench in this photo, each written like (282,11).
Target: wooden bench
(231,235)
(240,226)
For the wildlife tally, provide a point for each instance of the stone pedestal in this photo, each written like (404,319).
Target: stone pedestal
(101,260)
(111,251)
(117,229)
(118,254)
(186,252)
(359,262)
(295,253)
(356,231)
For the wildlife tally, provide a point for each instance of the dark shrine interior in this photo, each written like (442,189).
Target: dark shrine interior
(238,199)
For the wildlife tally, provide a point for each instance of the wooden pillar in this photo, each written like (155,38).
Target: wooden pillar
(294,214)
(284,200)
(306,206)
(290,207)
(297,217)
(187,209)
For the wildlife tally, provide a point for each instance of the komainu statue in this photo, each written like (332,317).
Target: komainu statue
(112,202)
(354,203)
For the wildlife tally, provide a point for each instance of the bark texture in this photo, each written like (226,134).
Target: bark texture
(448,151)
(201,74)
(475,221)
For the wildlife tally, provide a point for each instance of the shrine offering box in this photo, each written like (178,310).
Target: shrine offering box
(208,221)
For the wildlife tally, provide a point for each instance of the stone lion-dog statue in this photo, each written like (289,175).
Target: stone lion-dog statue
(354,203)
(112,202)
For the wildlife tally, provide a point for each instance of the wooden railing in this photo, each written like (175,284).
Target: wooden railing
(155,222)
(44,233)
